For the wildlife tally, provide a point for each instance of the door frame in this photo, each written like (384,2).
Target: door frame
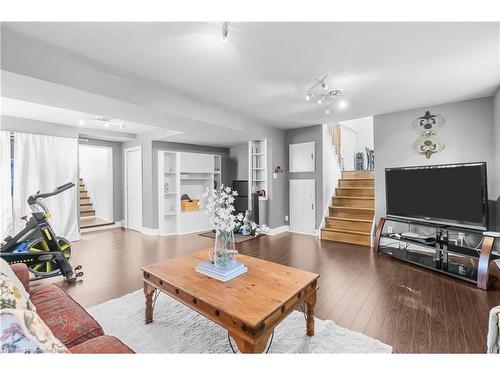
(110,167)
(314,203)
(125,183)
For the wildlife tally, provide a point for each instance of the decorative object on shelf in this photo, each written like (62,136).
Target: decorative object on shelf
(221,211)
(166,187)
(190,205)
(321,93)
(261,193)
(428,126)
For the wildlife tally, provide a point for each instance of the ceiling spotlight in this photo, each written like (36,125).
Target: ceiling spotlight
(342,104)
(122,126)
(320,100)
(324,85)
(225,30)
(308,97)
(106,124)
(335,92)
(327,111)
(81,122)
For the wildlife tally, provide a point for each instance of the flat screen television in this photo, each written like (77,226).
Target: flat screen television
(453,194)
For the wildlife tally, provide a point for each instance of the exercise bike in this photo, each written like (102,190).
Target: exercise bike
(46,254)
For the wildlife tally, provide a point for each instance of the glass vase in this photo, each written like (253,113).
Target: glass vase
(224,254)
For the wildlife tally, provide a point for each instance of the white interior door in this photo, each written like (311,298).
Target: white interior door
(302,206)
(133,188)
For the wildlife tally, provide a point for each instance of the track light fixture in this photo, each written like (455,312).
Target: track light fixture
(225,31)
(322,97)
(108,122)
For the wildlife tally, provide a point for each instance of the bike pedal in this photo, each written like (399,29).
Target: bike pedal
(78,268)
(79,274)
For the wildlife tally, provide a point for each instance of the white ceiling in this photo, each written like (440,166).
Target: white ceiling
(40,112)
(264,69)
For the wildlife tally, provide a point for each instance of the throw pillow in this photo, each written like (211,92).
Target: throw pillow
(7,271)
(11,296)
(23,331)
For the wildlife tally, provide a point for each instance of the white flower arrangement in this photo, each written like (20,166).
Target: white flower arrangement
(220,208)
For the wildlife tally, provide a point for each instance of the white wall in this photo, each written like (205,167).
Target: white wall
(96,169)
(468,133)
(356,135)
(331,173)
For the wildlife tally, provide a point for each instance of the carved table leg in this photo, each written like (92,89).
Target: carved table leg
(484,263)
(258,346)
(310,304)
(149,291)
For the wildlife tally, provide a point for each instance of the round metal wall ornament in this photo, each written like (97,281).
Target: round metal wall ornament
(428,142)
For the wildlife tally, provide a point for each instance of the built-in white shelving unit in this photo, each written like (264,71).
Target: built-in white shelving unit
(257,171)
(185,173)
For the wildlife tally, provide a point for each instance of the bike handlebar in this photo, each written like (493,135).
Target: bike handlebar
(32,198)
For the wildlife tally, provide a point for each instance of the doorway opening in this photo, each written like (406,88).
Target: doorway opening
(355,149)
(95,185)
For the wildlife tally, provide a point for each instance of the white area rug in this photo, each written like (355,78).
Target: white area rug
(178,329)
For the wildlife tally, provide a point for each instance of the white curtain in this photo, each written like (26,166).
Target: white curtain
(42,163)
(6,225)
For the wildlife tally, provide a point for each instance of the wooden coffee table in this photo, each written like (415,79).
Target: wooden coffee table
(248,307)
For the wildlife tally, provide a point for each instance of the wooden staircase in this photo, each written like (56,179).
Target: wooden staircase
(86,207)
(351,213)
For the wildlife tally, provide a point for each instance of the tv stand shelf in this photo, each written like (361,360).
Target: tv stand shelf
(442,254)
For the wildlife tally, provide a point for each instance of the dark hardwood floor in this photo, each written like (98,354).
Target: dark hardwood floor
(410,308)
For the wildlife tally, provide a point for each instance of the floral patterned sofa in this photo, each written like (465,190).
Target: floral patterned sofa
(49,320)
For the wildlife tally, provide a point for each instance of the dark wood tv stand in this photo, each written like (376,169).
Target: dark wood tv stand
(436,255)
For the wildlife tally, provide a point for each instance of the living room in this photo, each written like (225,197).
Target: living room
(250,187)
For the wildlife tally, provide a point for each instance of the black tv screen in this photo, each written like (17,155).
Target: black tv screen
(455,194)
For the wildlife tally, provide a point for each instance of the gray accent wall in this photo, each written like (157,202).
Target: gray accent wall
(273,210)
(301,135)
(469,134)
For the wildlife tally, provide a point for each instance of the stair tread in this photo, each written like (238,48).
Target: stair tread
(356,187)
(352,197)
(356,179)
(354,208)
(349,219)
(340,230)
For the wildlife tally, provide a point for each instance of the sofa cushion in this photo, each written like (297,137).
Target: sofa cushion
(102,345)
(11,296)
(68,321)
(22,331)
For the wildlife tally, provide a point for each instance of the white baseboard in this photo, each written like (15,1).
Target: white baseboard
(150,231)
(279,230)
(196,231)
(118,224)
(315,234)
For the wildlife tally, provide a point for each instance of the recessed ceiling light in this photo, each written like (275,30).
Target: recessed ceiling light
(320,100)
(81,122)
(122,126)
(106,124)
(308,97)
(327,111)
